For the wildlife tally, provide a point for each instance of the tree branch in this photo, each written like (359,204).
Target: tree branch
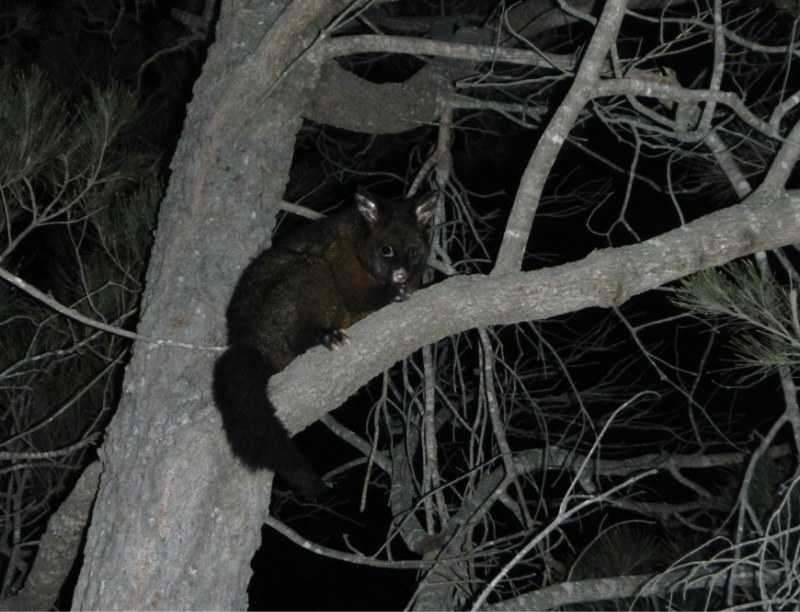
(605,278)
(601,589)
(58,547)
(94,323)
(520,220)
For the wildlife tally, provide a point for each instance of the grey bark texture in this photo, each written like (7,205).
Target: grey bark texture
(176,519)
(605,278)
(58,547)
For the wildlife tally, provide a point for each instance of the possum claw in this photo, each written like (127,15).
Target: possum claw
(335,339)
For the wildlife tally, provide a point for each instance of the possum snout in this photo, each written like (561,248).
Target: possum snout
(400,276)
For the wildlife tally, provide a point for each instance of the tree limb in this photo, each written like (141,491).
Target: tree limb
(58,547)
(618,587)
(604,278)
(518,228)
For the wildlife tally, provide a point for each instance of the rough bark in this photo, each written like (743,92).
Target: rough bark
(176,520)
(604,278)
(633,587)
(58,547)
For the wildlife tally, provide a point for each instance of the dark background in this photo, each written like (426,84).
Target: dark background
(77,44)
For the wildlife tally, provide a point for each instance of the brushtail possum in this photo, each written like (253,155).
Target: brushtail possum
(301,292)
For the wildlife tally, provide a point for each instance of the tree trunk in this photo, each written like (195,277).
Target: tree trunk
(176,520)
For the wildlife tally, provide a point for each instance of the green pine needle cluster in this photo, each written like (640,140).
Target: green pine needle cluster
(621,550)
(759,314)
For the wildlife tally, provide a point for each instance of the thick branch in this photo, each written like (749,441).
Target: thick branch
(337,47)
(605,278)
(59,547)
(619,587)
(347,101)
(520,220)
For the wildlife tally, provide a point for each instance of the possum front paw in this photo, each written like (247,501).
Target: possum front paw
(401,293)
(334,339)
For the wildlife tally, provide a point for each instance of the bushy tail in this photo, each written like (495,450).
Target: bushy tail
(256,435)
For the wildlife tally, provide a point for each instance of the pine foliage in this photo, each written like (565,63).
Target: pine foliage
(78,205)
(759,314)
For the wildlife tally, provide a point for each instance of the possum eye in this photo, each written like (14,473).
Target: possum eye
(413,255)
(386,251)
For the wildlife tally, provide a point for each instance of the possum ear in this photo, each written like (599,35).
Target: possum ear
(426,208)
(367,206)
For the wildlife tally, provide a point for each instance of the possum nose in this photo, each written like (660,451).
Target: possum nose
(399,276)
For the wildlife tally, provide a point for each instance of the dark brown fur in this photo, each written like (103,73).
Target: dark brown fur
(301,292)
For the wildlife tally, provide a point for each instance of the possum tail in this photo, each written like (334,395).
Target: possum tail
(256,435)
